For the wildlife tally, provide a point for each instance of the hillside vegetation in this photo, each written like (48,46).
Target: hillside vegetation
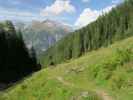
(113,26)
(104,74)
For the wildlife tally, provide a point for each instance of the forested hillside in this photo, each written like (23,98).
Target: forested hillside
(16,61)
(114,26)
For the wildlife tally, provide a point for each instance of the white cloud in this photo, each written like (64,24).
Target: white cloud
(13,14)
(88,15)
(58,7)
(25,16)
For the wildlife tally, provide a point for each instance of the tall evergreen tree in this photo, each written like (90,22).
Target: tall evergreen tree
(15,60)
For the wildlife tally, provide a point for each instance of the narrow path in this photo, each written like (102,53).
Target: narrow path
(60,79)
(104,95)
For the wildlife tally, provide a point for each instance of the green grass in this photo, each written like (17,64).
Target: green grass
(107,69)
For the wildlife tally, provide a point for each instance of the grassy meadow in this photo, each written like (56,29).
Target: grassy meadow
(103,74)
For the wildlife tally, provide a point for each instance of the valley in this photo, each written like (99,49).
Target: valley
(48,59)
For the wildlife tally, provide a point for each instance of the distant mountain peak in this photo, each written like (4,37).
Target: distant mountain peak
(53,23)
(43,34)
(50,25)
(48,21)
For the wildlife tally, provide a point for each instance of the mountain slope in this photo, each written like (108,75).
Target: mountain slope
(43,34)
(108,28)
(101,74)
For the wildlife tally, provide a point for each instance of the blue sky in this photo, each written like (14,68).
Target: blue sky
(73,12)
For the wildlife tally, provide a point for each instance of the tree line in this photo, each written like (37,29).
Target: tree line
(108,28)
(16,61)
